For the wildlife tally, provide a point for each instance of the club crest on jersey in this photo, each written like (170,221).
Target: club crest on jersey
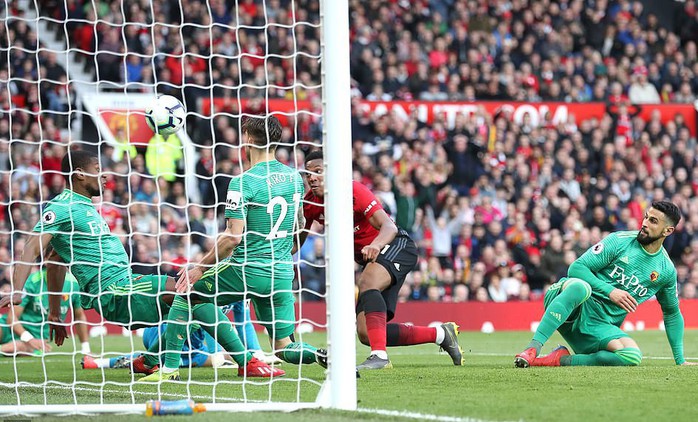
(49,217)
(654,276)
(65,297)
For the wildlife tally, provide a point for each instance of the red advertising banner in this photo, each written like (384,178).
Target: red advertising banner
(471,316)
(425,111)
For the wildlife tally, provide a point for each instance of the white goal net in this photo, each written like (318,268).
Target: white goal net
(78,75)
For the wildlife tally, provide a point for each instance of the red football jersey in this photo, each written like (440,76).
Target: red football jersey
(365,205)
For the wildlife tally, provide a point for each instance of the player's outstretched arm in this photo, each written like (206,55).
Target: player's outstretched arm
(55,278)
(387,230)
(225,245)
(32,249)
(673,320)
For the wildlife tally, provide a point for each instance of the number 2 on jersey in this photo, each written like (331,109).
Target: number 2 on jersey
(275,233)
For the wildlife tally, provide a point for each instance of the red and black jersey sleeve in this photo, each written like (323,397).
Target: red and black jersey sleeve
(365,202)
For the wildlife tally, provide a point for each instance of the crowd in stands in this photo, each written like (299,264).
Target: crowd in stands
(498,209)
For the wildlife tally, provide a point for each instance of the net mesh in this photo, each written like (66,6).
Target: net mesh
(78,75)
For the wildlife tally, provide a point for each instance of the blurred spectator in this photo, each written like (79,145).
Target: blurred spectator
(641,91)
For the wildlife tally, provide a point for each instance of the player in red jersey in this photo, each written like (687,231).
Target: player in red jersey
(387,254)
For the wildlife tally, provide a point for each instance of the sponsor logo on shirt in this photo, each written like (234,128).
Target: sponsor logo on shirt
(630,282)
(233,200)
(98,227)
(370,206)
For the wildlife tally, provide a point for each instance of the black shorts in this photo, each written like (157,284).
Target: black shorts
(400,258)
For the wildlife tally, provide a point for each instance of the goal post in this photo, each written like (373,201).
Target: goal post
(337,140)
(44,392)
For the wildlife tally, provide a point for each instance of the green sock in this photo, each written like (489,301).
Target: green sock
(152,356)
(628,356)
(298,353)
(536,344)
(176,331)
(574,293)
(214,321)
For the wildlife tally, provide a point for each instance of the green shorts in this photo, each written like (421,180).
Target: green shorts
(134,303)
(588,328)
(273,302)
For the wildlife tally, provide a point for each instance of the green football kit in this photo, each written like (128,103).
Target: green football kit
(267,198)
(617,262)
(35,306)
(99,262)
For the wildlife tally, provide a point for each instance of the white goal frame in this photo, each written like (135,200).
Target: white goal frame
(339,389)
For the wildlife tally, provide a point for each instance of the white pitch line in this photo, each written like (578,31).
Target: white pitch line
(382,412)
(112,391)
(466,354)
(420,416)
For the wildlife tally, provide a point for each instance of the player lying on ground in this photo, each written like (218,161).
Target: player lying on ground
(609,280)
(252,258)
(81,238)
(388,254)
(23,329)
(200,349)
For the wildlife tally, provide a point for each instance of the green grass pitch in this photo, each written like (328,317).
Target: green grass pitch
(424,384)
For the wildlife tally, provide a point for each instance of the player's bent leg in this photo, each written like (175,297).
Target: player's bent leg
(622,351)
(136,302)
(170,288)
(374,279)
(277,314)
(628,356)
(16,348)
(445,335)
(244,327)
(569,294)
(299,353)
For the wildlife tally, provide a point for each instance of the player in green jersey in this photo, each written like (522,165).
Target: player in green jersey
(609,280)
(81,238)
(252,258)
(24,330)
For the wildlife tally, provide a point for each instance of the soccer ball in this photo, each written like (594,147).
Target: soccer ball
(165,115)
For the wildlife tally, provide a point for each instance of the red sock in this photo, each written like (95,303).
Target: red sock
(406,335)
(375,327)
